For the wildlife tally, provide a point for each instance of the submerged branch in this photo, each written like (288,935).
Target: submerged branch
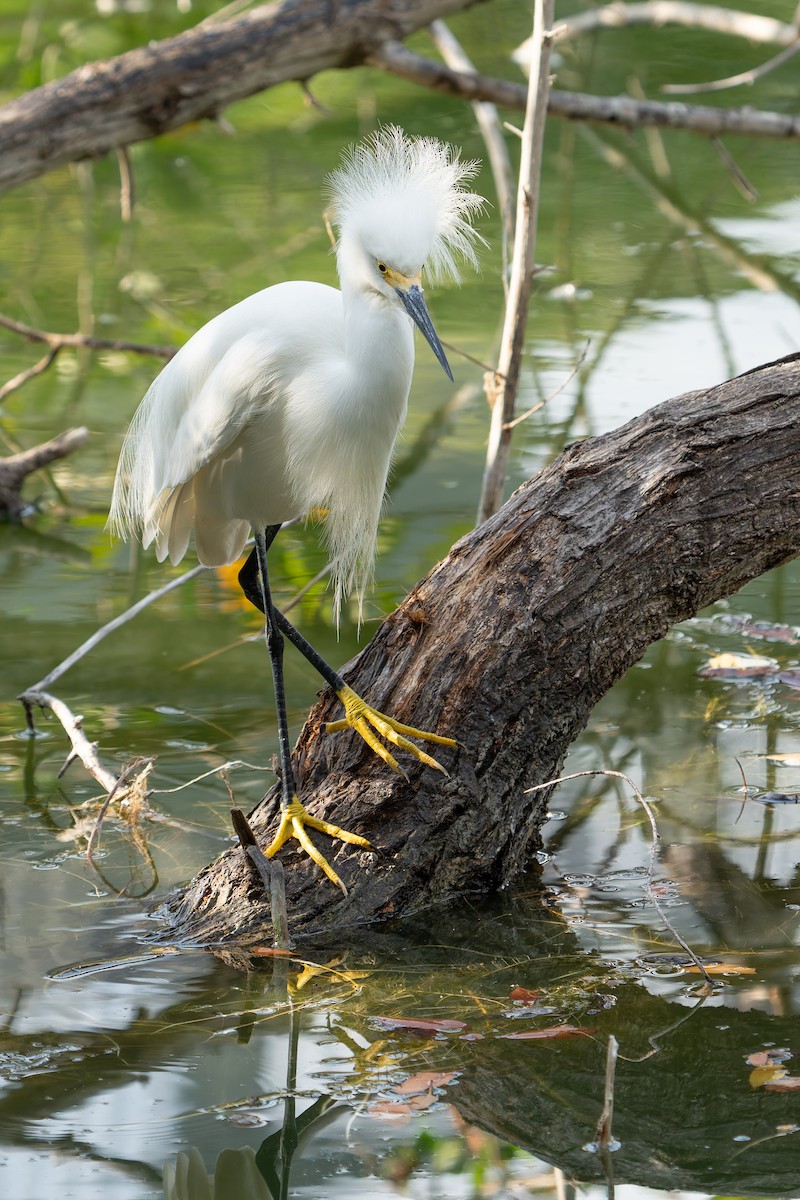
(15,469)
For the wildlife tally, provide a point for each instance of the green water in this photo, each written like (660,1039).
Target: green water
(113,1061)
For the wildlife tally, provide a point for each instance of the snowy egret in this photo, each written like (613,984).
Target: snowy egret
(292,400)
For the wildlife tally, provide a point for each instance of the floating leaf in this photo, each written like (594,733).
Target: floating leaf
(419,1025)
(555,1031)
(764,630)
(739,666)
(721,968)
(424,1081)
(790,1083)
(521,995)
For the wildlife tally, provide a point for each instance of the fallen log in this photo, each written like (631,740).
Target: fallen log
(510,642)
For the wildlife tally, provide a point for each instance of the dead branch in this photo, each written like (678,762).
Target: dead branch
(193,77)
(82,748)
(78,341)
(751,26)
(732,81)
(15,469)
(502,391)
(621,111)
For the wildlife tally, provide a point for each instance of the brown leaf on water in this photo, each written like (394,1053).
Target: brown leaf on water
(420,1025)
(424,1081)
(271,952)
(721,968)
(522,995)
(555,1031)
(789,1083)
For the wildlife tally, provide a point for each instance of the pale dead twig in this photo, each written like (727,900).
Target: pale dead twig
(623,112)
(490,126)
(38,368)
(651,894)
(504,391)
(740,180)
(732,81)
(82,748)
(567,379)
(126,185)
(751,26)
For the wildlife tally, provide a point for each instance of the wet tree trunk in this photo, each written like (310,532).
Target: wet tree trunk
(510,642)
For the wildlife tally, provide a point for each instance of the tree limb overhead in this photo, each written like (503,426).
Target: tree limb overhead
(510,642)
(149,91)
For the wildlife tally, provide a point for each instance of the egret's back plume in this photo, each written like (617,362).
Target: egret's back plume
(292,400)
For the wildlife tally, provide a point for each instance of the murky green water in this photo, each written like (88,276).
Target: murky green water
(116,1062)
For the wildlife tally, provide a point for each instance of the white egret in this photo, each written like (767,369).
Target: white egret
(293,400)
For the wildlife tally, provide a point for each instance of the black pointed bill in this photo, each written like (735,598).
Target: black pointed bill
(414,304)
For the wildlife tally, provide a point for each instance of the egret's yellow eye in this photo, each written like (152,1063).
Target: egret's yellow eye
(382,267)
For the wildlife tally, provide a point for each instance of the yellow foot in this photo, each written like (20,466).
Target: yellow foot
(364,718)
(294,820)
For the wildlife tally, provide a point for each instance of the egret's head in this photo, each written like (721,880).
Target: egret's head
(399,206)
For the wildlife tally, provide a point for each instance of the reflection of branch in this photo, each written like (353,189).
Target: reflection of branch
(620,111)
(651,893)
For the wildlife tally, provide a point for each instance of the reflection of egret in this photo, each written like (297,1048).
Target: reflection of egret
(293,400)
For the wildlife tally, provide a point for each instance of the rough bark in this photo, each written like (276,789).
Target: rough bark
(510,642)
(193,76)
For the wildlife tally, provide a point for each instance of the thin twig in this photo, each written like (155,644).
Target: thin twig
(490,126)
(552,395)
(623,112)
(732,81)
(83,749)
(751,26)
(105,630)
(126,185)
(82,341)
(12,385)
(503,397)
(651,895)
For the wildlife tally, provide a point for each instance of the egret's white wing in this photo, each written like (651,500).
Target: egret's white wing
(209,433)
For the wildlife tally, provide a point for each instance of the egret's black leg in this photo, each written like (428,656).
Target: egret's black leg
(294,818)
(250,585)
(274,640)
(358,714)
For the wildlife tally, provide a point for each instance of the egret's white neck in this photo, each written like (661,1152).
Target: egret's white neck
(378,335)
